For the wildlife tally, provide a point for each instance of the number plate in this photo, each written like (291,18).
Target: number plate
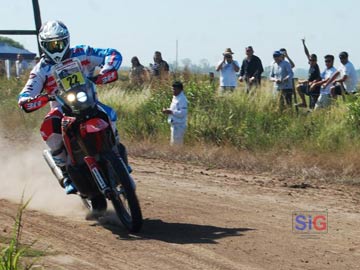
(69,74)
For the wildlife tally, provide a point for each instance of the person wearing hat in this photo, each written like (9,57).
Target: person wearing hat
(177,114)
(228,67)
(251,69)
(281,74)
(348,77)
(285,56)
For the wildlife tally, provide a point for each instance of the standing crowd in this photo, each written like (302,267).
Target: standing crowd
(320,87)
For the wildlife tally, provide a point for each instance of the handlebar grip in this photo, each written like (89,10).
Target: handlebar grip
(35,103)
(108,77)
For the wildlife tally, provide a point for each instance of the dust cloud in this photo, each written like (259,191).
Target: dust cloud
(23,169)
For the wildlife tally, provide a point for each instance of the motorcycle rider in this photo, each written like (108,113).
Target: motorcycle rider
(54,40)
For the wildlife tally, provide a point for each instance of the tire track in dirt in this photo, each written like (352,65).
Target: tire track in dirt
(195,219)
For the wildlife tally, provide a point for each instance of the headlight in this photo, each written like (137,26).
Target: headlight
(70,97)
(81,97)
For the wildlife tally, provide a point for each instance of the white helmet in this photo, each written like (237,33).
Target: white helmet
(54,39)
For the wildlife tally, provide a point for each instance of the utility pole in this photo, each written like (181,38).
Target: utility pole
(37,19)
(176,66)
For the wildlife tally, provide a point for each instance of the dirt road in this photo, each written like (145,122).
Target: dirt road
(194,219)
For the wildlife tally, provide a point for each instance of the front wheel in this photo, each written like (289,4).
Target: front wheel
(123,196)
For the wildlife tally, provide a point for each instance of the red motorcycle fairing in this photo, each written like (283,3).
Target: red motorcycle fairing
(95,135)
(66,123)
(92,126)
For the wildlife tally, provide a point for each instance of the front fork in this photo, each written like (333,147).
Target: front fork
(99,179)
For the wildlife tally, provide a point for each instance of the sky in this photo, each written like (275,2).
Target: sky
(202,28)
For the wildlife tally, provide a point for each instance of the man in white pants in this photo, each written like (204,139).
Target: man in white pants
(177,114)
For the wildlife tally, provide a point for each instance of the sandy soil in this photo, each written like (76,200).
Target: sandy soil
(195,218)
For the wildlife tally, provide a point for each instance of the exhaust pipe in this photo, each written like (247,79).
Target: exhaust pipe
(55,169)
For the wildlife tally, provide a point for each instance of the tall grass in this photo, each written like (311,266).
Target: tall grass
(12,255)
(253,123)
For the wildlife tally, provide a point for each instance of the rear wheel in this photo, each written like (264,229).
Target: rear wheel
(123,196)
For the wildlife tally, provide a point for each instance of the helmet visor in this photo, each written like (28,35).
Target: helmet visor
(55,45)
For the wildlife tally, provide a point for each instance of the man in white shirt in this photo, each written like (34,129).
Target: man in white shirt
(348,77)
(21,66)
(324,99)
(177,114)
(228,69)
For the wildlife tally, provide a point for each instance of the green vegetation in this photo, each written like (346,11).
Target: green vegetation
(240,122)
(13,254)
(11,42)
(250,122)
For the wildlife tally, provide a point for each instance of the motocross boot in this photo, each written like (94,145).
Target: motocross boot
(67,183)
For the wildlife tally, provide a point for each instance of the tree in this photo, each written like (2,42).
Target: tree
(11,42)
(205,65)
(186,62)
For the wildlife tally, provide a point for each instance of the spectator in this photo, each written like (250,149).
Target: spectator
(285,56)
(281,74)
(305,87)
(2,68)
(21,66)
(348,77)
(324,99)
(138,73)
(177,114)
(228,69)
(251,69)
(160,68)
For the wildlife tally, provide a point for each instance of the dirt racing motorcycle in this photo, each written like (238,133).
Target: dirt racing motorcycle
(95,166)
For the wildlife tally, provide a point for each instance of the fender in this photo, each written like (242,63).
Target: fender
(93,125)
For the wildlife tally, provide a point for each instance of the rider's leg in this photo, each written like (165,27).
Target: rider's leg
(121,149)
(51,133)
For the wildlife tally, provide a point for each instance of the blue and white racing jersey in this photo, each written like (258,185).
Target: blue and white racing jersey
(41,76)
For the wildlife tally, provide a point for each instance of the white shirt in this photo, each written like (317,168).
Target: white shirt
(21,67)
(179,110)
(326,74)
(351,81)
(228,74)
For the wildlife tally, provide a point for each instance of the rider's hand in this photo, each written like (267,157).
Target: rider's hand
(107,77)
(29,104)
